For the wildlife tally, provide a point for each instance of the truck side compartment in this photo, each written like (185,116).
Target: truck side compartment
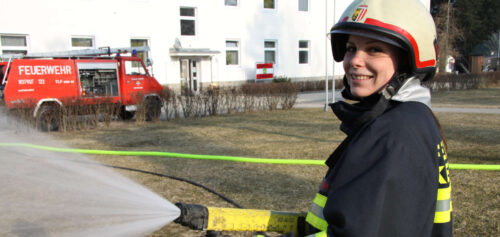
(30,81)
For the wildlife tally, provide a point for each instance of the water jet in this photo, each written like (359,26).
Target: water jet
(47,193)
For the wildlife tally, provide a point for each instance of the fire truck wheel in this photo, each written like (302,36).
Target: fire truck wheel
(125,115)
(48,119)
(152,109)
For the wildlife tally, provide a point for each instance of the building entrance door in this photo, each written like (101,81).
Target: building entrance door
(190,76)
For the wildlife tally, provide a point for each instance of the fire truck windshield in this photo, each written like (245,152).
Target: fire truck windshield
(134,68)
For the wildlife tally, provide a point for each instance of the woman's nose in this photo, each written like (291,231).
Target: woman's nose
(358,59)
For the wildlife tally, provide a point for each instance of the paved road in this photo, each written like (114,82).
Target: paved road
(467,110)
(317,100)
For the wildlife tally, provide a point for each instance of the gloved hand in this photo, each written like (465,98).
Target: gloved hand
(193,216)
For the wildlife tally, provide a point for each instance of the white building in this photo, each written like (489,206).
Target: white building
(192,42)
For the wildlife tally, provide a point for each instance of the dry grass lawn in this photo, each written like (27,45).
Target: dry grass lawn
(483,98)
(299,134)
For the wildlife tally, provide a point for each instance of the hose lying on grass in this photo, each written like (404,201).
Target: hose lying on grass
(495,167)
(180,179)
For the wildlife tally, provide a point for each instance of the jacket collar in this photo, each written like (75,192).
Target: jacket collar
(400,89)
(412,90)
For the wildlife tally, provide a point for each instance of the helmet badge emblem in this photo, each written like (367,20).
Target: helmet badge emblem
(360,13)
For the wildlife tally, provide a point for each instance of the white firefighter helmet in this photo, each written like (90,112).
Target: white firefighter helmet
(406,24)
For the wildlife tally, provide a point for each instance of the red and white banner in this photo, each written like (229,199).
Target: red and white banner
(265,71)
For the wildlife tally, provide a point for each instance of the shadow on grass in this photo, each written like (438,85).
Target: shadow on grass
(472,134)
(466,158)
(274,127)
(188,136)
(258,186)
(468,98)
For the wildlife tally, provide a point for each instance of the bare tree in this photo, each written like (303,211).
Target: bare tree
(448,34)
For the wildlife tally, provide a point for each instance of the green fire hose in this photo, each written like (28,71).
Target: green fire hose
(494,167)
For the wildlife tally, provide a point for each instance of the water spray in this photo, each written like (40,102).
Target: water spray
(46,193)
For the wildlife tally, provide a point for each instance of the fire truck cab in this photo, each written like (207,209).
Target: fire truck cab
(49,83)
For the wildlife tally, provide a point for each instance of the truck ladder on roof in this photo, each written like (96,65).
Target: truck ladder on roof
(87,52)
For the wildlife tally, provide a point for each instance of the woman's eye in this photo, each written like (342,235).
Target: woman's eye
(350,49)
(375,50)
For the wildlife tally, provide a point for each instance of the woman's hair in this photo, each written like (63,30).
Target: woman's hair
(440,130)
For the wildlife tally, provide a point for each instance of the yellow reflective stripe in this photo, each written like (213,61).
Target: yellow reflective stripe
(319,234)
(320,200)
(442,217)
(316,221)
(444,193)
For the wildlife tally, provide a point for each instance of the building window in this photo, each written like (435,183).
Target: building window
(304,5)
(232,52)
(188,21)
(82,42)
(270,4)
(143,55)
(231,2)
(270,51)
(303,52)
(13,44)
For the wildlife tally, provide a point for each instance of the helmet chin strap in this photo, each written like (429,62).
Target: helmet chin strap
(392,87)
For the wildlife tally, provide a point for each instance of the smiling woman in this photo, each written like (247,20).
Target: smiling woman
(369,64)
(383,179)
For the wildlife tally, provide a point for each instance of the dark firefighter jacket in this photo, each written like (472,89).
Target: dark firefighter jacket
(388,178)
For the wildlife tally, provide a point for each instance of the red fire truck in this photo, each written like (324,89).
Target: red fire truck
(49,83)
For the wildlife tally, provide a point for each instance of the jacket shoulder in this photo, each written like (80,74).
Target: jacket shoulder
(408,118)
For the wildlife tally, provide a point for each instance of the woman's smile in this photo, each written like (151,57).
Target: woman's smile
(359,77)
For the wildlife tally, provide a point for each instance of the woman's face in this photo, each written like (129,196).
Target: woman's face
(369,64)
